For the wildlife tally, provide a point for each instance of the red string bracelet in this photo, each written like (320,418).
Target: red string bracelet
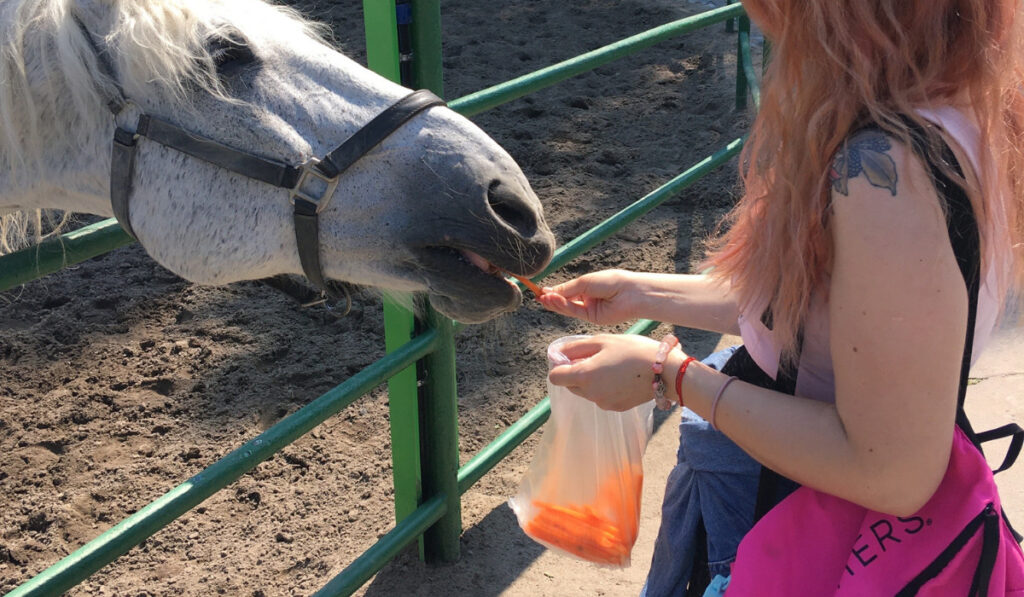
(679,378)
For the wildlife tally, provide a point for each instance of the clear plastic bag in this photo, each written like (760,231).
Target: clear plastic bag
(582,492)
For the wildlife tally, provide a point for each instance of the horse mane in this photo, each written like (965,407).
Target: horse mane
(155,46)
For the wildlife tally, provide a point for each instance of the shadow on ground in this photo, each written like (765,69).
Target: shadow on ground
(494,553)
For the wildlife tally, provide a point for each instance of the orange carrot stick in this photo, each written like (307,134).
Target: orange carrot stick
(529,284)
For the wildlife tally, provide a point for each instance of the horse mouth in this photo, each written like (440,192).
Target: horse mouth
(476,259)
(467,286)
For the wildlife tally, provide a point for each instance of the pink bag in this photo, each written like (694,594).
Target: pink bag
(817,544)
(959,543)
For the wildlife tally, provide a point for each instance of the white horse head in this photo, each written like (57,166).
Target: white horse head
(437,207)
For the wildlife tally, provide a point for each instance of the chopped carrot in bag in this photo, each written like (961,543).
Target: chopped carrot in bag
(582,492)
(603,533)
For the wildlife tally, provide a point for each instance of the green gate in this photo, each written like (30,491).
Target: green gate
(427,479)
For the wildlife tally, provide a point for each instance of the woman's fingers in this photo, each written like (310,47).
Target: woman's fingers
(610,370)
(572,288)
(582,349)
(559,304)
(601,297)
(596,285)
(578,352)
(563,375)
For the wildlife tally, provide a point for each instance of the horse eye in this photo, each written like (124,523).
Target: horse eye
(230,52)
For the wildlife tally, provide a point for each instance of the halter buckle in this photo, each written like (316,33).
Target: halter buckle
(308,171)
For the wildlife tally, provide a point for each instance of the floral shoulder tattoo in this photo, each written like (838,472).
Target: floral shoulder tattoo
(864,153)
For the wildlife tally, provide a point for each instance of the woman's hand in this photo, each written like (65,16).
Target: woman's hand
(612,371)
(607,297)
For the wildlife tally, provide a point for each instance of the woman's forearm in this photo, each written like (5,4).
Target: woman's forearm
(687,300)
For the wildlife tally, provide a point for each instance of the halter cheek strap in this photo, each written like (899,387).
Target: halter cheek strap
(306,209)
(122,168)
(306,205)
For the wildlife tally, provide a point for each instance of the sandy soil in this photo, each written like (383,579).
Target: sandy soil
(120,380)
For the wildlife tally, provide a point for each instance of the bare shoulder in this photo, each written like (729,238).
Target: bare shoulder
(876,173)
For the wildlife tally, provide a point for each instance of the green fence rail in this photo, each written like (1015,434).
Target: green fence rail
(55,254)
(491,97)
(436,518)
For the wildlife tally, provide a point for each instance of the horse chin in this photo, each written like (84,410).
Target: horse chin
(478,307)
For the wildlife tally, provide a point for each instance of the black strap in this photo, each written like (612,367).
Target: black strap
(109,88)
(962,228)
(274,172)
(124,146)
(375,131)
(946,556)
(307,237)
(252,166)
(989,552)
(122,168)
(964,236)
(1016,435)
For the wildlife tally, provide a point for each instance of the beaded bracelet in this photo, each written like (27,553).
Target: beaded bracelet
(667,344)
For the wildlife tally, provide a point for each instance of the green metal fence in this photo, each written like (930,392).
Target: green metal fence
(428,480)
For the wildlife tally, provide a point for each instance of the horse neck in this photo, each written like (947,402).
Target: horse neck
(55,188)
(69,173)
(56,157)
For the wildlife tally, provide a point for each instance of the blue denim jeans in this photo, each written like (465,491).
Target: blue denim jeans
(714,481)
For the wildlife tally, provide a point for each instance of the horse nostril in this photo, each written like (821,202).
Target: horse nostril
(512,208)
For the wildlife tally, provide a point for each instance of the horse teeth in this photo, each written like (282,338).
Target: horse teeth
(478,261)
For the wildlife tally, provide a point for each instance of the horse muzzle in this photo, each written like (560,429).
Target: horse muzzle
(465,271)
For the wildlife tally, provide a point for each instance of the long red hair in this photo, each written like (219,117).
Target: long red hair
(836,65)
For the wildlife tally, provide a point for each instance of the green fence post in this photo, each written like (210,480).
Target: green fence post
(428,72)
(439,427)
(439,437)
(381,26)
(741,78)
(382,56)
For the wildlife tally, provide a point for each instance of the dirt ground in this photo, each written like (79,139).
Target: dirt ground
(119,380)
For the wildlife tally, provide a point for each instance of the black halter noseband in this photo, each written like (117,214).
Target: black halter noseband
(307,205)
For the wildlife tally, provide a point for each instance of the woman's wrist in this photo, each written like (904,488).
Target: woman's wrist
(667,345)
(698,383)
(672,364)
(648,296)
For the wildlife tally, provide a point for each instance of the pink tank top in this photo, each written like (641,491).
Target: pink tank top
(816,379)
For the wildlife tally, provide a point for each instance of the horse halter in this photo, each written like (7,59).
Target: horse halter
(307,205)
